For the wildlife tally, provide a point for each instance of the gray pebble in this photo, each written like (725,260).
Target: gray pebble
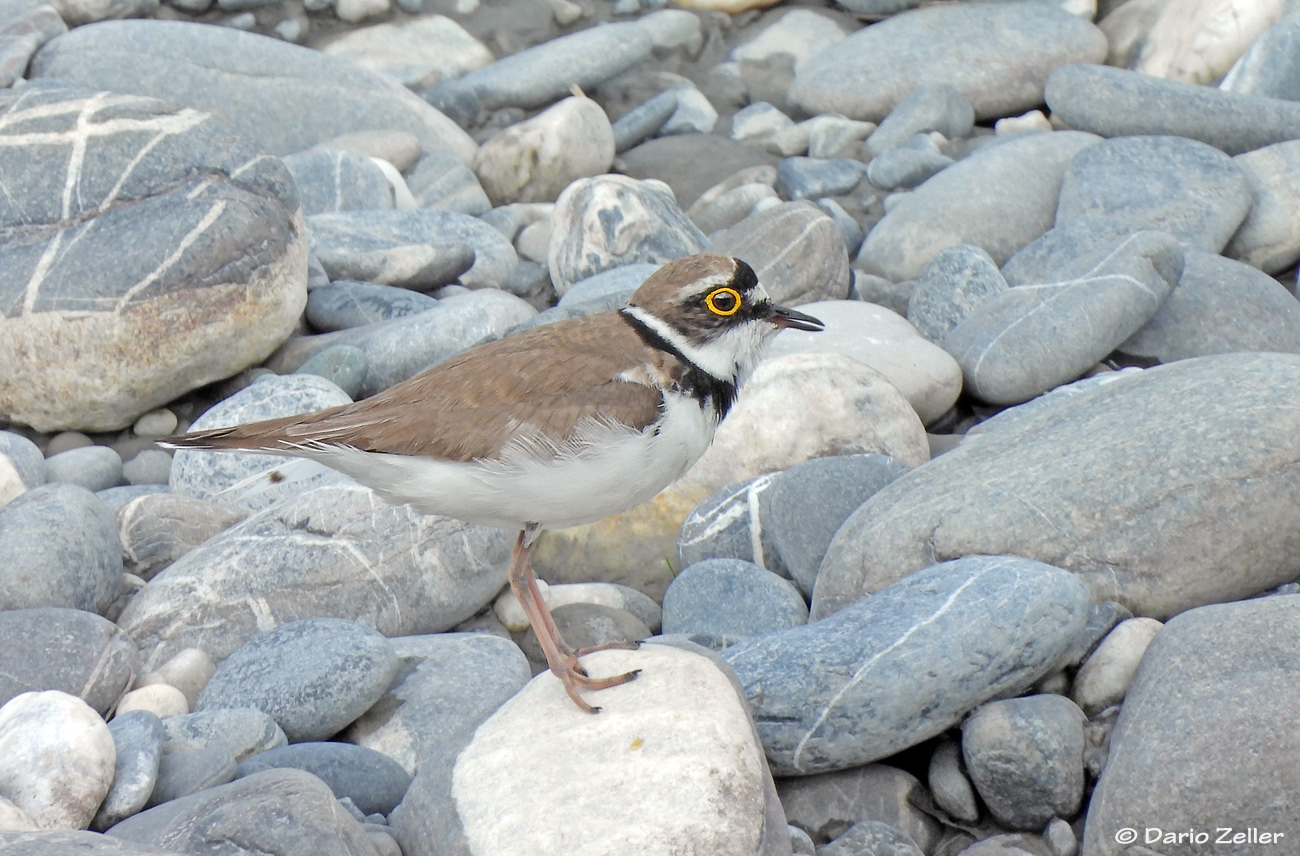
(137,737)
(904,168)
(338,180)
(442,180)
(373,782)
(345,304)
(812,178)
(871,837)
(26,457)
(731,597)
(239,732)
(643,121)
(70,650)
(951,286)
(149,466)
(190,771)
(929,107)
(91,467)
(342,365)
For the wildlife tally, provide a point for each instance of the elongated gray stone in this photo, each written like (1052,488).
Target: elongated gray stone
(826,696)
(335,550)
(1031,338)
(998,55)
(265,90)
(1269,239)
(1113,102)
(1201,525)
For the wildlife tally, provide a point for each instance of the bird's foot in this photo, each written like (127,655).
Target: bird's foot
(573,675)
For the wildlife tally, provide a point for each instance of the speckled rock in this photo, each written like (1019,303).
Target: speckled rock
(71,650)
(795,249)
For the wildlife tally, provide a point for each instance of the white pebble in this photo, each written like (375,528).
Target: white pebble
(189,671)
(163,700)
(1105,676)
(1034,120)
(155,423)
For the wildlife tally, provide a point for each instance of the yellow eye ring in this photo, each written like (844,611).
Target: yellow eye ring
(711,301)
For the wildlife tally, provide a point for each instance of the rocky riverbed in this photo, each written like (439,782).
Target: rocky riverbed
(1005,561)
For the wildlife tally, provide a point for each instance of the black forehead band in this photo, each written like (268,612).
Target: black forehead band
(744,280)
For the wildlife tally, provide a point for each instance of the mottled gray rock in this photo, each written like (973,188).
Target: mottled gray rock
(1025,756)
(238,732)
(423,249)
(345,304)
(1188,189)
(929,107)
(1113,102)
(952,285)
(999,198)
(903,167)
(338,180)
(262,89)
(344,366)
(690,164)
(213,281)
(1171,541)
(71,650)
(158,529)
(1270,67)
(61,549)
(384,566)
(951,790)
(1219,306)
(22,35)
(312,676)
(190,771)
(137,738)
(285,812)
(442,180)
(533,755)
(1026,340)
(430,705)
(997,55)
(374,782)
(56,759)
(92,467)
(874,837)
(1269,239)
(731,597)
(795,249)
(826,805)
(1205,729)
(813,178)
(611,220)
(821,692)
(205,475)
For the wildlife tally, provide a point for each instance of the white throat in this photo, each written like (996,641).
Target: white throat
(730,357)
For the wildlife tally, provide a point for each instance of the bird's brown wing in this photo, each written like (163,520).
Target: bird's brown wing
(548,379)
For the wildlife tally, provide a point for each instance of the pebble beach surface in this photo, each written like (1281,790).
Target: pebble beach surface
(1001,562)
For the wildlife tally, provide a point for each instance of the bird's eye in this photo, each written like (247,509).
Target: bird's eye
(723,301)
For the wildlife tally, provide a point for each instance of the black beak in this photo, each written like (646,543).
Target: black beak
(782,317)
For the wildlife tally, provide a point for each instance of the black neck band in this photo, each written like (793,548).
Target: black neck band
(692,379)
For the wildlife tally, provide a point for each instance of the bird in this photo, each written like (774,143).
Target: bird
(553,426)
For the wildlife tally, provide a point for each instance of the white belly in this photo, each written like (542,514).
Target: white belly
(612,471)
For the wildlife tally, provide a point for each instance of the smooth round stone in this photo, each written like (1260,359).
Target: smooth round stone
(795,249)
(374,782)
(904,168)
(67,440)
(925,374)
(827,805)
(277,109)
(137,741)
(948,783)
(1114,102)
(71,650)
(695,114)
(1269,68)
(344,366)
(430,710)
(312,676)
(1172,423)
(289,812)
(796,512)
(190,771)
(1106,675)
(1027,340)
(771,428)
(149,466)
(422,249)
(836,136)
(418,52)
(238,732)
(336,180)
(1060,838)
(957,633)
(813,178)
(610,289)
(442,180)
(344,304)
(155,423)
(691,163)
(204,475)
(929,107)
(534,241)
(1025,756)
(871,836)
(511,614)
(1205,727)
(162,700)
(61,549)
(25,460)
(731,597)
(159,528)
(1219,306)
(586,625)
(189,671)
(1186,188)
(1269,239)
(950,287)
(643,121)
(56,758)
(534,160)
(999,198)
(91,467)
(998,56)
(534,755)
(609,221)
